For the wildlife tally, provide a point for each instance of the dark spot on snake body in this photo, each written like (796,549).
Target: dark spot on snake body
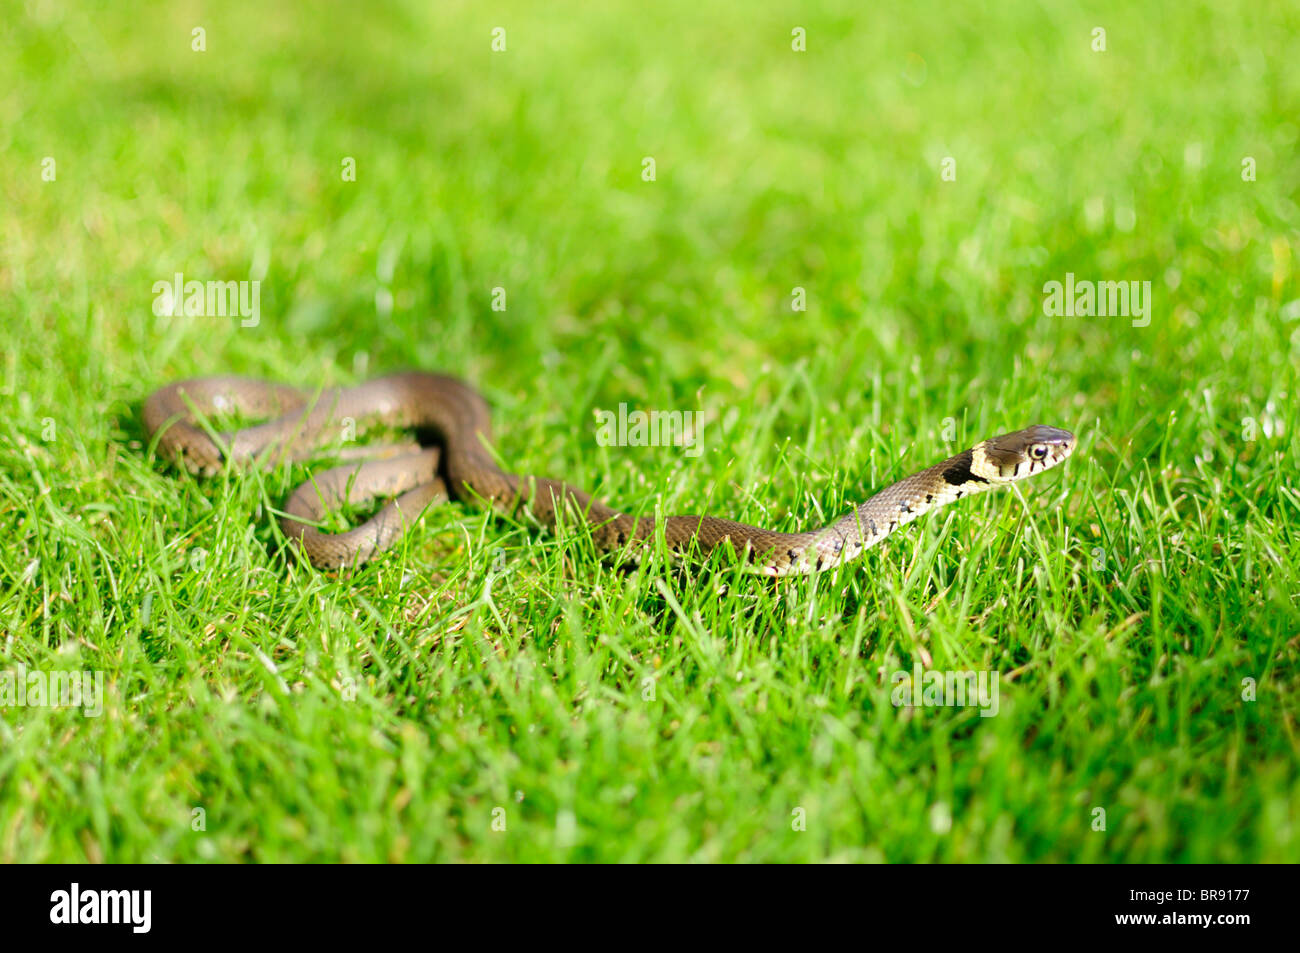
(904,507)
(792,554)
(874,531)
(958,470)
(929,497)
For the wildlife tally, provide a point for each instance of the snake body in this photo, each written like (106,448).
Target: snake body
(460,466)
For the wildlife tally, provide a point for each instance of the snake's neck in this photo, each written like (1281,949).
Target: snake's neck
(893,508)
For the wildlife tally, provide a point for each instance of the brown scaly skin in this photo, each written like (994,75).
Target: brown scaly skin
(461,467)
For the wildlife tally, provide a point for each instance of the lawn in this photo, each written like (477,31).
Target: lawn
(837,255)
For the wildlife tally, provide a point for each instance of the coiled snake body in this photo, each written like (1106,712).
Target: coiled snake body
(461,467)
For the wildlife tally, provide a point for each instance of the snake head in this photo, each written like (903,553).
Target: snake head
(1014,456)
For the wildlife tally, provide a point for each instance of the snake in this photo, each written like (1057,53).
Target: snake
(454,459)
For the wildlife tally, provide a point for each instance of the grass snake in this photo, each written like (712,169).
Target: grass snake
(460,465)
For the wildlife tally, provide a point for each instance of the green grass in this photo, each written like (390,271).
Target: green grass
(388,714)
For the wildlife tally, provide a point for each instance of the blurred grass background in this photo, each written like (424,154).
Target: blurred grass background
(775,169)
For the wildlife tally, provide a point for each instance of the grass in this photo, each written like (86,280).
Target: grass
(392,714)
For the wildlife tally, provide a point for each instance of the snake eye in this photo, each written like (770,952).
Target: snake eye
(1038,451)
